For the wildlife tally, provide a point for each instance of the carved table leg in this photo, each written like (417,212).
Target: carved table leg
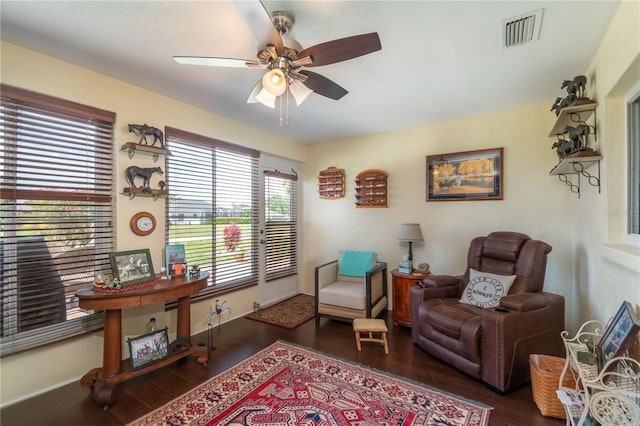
(112,350)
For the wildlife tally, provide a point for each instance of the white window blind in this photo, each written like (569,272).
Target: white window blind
(56,214)
(213,185)
(281,224)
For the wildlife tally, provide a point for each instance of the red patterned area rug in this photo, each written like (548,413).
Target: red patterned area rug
(289,313)
(286,384)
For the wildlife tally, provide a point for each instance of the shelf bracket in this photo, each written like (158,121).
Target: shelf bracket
(591,179)
(579,168)
(574,188)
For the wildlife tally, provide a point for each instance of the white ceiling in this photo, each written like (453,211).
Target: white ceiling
(439,60)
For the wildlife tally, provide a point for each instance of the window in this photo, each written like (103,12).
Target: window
(633,117)
(212,207)
(55,215)
(281,225)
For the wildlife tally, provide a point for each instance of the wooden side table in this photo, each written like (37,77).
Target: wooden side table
(402,296)
(103,380)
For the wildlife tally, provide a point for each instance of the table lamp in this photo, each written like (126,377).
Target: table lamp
(410,232)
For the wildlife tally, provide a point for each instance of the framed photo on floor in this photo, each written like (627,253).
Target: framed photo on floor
(132,266)
(149,348)
(465,176)
(618,335)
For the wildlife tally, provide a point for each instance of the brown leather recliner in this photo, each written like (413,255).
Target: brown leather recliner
(491,344)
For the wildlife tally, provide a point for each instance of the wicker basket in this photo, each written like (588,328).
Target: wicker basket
(545,375)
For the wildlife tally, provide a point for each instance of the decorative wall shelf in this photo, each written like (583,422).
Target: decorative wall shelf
(132,147)
(573,115)
(331,183)
(371,189)
(145,192)
(577,164)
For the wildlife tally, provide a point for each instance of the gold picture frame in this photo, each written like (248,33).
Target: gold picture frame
(465,176)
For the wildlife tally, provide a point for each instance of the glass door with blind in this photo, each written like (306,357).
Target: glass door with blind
(278,231)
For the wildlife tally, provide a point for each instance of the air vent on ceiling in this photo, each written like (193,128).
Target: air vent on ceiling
(521,29)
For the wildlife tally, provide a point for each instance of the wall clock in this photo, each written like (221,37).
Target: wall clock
(143,223)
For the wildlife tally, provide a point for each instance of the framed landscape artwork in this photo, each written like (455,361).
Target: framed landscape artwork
(464,176)
(132,266)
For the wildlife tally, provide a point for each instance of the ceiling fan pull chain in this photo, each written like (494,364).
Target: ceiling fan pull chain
(280,104)
(284,120)
(287,92)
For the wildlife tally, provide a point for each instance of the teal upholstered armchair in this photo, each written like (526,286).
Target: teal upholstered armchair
(353,287)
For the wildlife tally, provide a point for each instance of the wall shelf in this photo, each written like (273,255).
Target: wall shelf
(145,192)
(572,115)
(331,183)
(132,148)
(577,164)
(371,189)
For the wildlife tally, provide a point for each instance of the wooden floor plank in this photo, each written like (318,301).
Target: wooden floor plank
(241,338)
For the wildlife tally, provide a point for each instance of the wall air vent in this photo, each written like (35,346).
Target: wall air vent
(521,29)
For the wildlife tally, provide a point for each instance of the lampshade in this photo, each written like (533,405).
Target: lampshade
(266,98)
(274,82)
(256,90)
(299,91)
(410,232)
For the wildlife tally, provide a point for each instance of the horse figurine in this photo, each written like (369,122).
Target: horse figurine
(561,103)
(578,136)
(144,130)
(575,87)
(132,172)
(563,148)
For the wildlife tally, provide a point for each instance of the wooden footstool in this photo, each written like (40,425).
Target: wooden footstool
(368,325)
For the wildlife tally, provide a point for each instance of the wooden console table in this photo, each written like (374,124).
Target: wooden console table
(114,370)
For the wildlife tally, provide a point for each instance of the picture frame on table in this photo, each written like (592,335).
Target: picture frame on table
(132,266)
(148,348)
(618,335)
(176,260)
(465,176)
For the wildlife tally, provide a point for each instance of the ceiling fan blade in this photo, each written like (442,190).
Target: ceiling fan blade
(259,23)
(217,62)
(342,49)
(323,86)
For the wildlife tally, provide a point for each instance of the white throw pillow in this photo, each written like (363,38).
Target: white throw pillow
(485,290)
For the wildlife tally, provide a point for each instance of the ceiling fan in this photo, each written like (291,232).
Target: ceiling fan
(283,57)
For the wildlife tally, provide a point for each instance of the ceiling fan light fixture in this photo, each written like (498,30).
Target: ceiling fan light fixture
(266,98)
(274,82)
(299,91)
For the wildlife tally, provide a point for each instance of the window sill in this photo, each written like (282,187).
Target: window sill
(626,255)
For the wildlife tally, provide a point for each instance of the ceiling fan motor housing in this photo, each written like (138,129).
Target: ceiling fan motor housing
(283,21)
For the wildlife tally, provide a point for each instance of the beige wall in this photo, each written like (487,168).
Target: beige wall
(533,201)
(585,266)
(607,267)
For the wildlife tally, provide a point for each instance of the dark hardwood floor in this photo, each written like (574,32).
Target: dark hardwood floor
(240,338)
